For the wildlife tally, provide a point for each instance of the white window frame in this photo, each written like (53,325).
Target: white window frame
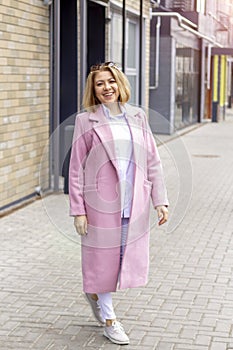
(117,14)
(130,18)
(129,71)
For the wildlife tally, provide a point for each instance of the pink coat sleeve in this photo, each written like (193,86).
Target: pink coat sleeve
(79,153)
(154,168)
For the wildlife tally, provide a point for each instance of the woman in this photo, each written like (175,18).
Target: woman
(115,170)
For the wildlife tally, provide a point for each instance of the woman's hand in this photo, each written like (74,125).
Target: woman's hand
(80,223)
(162,212)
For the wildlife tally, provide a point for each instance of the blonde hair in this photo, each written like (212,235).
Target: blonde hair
(90,102)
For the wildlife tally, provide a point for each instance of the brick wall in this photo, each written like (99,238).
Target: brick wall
(24,96)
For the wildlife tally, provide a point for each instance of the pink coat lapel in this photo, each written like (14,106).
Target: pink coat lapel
(103,130)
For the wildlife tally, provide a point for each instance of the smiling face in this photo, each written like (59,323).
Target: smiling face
(106,88)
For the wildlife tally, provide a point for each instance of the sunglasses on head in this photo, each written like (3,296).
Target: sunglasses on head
(102,65)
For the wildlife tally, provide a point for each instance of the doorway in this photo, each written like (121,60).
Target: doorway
(64,79)
(95,33)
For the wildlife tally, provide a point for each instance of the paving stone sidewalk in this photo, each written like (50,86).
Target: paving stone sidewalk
(188,302)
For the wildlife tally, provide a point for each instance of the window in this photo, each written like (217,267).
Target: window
(116,42)
(187,87)
(132,37)
(132,49)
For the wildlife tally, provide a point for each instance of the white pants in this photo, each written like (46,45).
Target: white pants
(105,303)
(105,299)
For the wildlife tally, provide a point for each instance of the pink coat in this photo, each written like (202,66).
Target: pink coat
(94,191)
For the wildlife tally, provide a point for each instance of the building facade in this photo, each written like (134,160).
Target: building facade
(190,62)
(177,56)
(47,48)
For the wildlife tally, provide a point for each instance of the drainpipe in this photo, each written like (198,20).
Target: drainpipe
(209,65)
(50,4)
(140,52)
(157,51)
(51,84)
(177,15)
(123,34)
(83,50)
(56,109)
(200,35)
(229,60)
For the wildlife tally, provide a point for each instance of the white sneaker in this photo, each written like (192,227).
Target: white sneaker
(95,309)
(116,333)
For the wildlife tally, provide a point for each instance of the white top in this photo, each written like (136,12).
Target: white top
(124,152)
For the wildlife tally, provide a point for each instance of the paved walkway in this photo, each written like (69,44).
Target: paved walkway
(188,302)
